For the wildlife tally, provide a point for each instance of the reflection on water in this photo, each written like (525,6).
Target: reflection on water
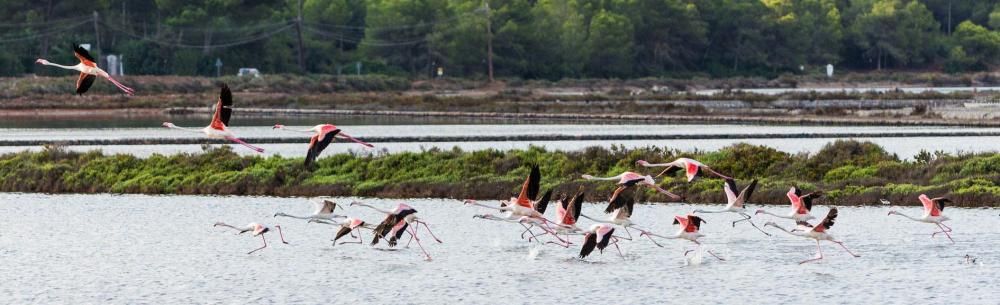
(163,249)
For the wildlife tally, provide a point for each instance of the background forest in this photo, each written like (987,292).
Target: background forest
(532,39)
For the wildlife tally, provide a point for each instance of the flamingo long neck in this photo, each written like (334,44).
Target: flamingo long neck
(184,128)
(660,164)
(796,233)
(73,67)
(776,215)
(712,211)
(297,130)
(292,216)
(595,220)
(908,216)
(676,236)
(222,224)
(619,177)
(374,208)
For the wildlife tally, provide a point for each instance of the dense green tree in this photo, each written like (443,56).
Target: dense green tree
(903,33)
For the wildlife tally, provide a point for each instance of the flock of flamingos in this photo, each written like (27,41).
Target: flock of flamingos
(528,208)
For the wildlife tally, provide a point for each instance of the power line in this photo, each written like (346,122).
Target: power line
(397,27)
(50,22)
(33,36)
(251,39)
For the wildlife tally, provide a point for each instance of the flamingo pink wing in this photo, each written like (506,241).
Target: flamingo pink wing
(796,202)
(929,206)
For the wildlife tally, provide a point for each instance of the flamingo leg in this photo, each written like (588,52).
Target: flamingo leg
(629,234)
(713,172)
(819,254)
(650,237)
(124,88)
(241,142)
(549,230)
(428,256)
(412,236)
(431,233)
(945,231)
(716,256)
(617,248)
(281,234)
(747,219)
(352,139)
(845,248)
(262,247)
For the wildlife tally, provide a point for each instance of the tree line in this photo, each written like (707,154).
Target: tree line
(535,39)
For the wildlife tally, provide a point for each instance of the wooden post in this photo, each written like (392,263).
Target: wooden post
(489,42)
(298,29)
(97,37)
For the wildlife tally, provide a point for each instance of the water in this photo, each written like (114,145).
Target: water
(905,147)
(776,91)
(116,249)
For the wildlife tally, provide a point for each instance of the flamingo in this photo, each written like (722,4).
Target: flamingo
(220,120)
(324,210)
(817,233)
(599,236)
(257,229)
(801,205)
(396,222)
(348,226)
(527,222)
(736,202)
(88,71)
(692,168)
(932,214)
(690,225)
(325,133)
(621,213)
(525,204)
(628,180)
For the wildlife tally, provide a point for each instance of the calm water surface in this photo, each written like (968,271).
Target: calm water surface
(116,249)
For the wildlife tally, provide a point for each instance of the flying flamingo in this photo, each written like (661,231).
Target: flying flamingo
(527,222)
(692,168)
(88,71)
(628,180)
(801,205)
(220,120)
(621,213)
(348,226)
(932,214)
(324,135)
(690,225)
(736,202)
(396,222)
(324,210)
(257,229)
(525,203)
(599,236)
(817,233)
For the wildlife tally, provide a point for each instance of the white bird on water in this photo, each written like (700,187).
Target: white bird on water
(256,229)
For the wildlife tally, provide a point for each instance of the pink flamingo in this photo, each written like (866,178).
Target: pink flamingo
(692,168)
(817,233)
(219,129)
(396,222)
(525,204)
(621,214)
(257,229)
(88,71)
(324,135)
(690,226)
(599,236)
(801,205)
(932,214)
(350,225)
(628,180)
(736,202)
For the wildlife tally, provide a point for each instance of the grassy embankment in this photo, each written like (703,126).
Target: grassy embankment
(849,172)
(393,93)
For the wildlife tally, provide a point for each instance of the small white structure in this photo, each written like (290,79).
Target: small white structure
(829,70)
(248,72)
(116,64)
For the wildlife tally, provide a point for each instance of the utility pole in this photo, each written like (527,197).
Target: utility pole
(949,17)
(489,42)
(298,28)
(97,37)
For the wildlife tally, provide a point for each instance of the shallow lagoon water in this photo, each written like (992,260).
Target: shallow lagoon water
(115,249)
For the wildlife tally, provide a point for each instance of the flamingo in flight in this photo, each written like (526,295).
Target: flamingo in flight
(348,226)
(324,135)
(628,180)
(88,71)
(219,129)
(932,214)
(737,202)
(525,204)
(621,214)
(690,226)
(817,233)
(324,211)
(801,205)
(692,168)
(256,229)
(396,222)
(599,236)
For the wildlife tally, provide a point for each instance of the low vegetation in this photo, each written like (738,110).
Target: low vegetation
(850,172)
